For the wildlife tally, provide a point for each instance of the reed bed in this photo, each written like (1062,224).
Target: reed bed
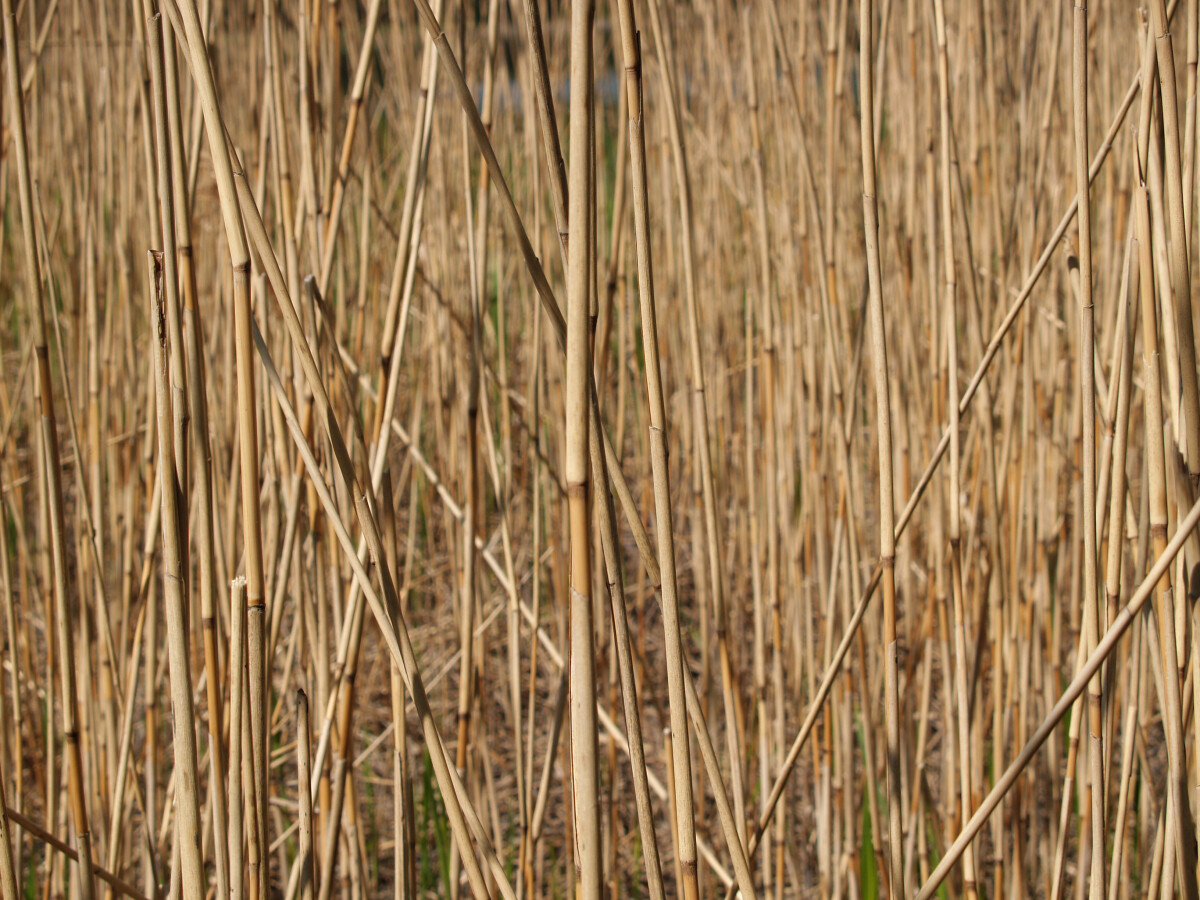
(600,450)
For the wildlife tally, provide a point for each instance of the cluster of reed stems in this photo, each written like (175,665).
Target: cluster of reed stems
(456,448)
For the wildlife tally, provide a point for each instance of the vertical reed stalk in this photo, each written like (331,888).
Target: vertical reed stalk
(1091,595)
(187,805)
(883,422)
(954,489)
(585,775)
(51,461)
(239,262)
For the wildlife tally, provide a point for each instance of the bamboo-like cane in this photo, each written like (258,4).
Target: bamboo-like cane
(953,490)
(1157,488)
(187,812)
(305,859)
(201,467)
(585,775)
(8,875)
(883,422)
(358,90)
(239,260)
(1091,595)
(1180,266)
(63,622)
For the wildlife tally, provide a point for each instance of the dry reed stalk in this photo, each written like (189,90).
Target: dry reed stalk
(993,346)
(200,466)
(556,167)
(1077,686)
(333,821)
(114,883)
(357,92)
(625,668)
(1180,282)
(11,849)
(187,810)
(467,679)
(527,849)
(701,437)
(887,545)
(1091,596)
(382,608)
(414,189)
(107,651)
(8,876)
(768,351)
(1157,490)
(306,860)
(239,260)
(953,491)
(49,459)
(237,714)
(479,134)
(786,331)
(631,52)
(499,571)
(400,647)
(585,775)
(404,834)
